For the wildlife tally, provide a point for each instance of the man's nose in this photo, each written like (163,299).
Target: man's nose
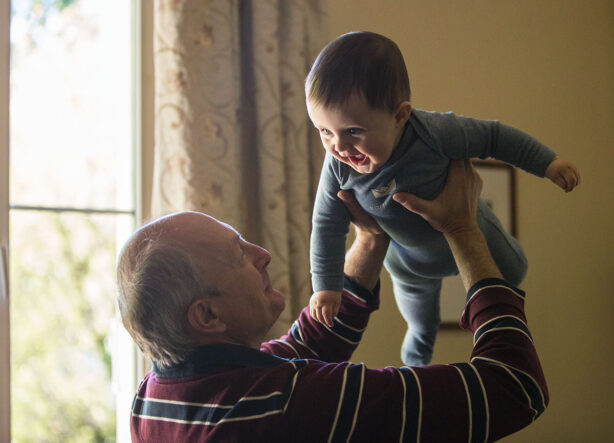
(263,257)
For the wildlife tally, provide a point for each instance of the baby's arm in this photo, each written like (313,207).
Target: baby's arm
(563,173)
(330,225)
(471,138)
(324,305)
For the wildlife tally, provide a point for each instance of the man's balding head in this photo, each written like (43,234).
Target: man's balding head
(188,279)
(158,278)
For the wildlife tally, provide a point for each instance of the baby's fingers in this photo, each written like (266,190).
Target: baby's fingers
(571,178)
(324,305)
(314,311)
(319,316)
(560,181)
(328,312)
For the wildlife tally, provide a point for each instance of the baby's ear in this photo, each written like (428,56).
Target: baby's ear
(402,113)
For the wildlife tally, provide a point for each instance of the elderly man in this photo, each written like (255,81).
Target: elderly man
(197,299)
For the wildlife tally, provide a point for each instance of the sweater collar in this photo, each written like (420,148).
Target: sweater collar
(210,357)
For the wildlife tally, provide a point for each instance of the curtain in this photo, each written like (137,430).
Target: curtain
(233,138)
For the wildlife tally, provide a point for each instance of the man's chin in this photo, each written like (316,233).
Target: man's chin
(277,300)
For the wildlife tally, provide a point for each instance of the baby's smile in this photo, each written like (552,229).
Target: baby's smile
(358,160)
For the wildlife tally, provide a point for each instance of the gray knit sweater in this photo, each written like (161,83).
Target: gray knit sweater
(418,165)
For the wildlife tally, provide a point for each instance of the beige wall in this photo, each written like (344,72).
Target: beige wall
(548,68)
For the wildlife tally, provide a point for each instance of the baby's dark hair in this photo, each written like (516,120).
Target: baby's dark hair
(359,62)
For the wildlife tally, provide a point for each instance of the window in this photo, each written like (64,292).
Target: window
(71,198)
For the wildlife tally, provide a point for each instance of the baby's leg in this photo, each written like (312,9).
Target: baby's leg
(504,248)
(418,301)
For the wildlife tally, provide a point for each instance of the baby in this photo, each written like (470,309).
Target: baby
(358,98)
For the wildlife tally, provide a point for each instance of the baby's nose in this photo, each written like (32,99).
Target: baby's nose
(341,145)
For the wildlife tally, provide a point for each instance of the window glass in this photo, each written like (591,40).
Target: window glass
(72,206)
(70,102)
(62,309)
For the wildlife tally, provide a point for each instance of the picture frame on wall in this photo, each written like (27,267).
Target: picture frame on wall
(499,192)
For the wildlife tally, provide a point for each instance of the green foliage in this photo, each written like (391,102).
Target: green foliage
(62,301)
(40,10)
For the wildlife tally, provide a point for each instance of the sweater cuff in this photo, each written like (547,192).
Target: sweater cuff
(369,298)
(492,282)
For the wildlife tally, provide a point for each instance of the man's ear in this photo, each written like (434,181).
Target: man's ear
(402,113)
(203,317)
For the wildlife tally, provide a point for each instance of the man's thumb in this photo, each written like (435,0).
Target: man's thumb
(409,201)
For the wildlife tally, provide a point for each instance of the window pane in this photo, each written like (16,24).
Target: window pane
(70,146)
(70,103)
(62,308)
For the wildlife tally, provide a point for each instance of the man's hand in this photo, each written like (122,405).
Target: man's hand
(453,212)
(563,173)
(324,306)
(455,207)
(363,261)
(361,220)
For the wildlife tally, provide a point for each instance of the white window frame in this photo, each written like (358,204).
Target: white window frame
(126,357)
(5,386)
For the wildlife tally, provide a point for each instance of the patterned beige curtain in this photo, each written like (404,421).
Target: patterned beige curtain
(233,138)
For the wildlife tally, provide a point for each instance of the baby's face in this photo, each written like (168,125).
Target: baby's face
(357,135)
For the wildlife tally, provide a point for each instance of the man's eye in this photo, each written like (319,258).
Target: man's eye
(240,243)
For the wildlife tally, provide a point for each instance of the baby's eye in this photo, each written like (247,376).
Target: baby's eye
(354,131)
(325,131)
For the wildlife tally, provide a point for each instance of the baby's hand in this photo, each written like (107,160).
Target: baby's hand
(563,173)
(324,306)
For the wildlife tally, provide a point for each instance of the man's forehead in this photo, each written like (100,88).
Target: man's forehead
(207,238)
(187,227)
(227,226)
(203,236)
(196,225)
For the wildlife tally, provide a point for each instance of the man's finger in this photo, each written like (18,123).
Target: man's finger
(346,196)
(349,201)
(360,218)
(352,205)
(409,201)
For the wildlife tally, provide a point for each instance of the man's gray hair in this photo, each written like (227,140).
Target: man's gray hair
(157,282)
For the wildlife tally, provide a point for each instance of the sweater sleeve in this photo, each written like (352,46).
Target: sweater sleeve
(330,225)
(308,338)
(465,137)
(520,149)
(501,390)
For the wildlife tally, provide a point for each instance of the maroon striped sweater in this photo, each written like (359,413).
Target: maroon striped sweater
(301,388)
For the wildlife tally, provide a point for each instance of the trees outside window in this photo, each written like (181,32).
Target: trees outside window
(71,204)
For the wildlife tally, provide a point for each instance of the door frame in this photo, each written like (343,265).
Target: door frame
(5,386)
